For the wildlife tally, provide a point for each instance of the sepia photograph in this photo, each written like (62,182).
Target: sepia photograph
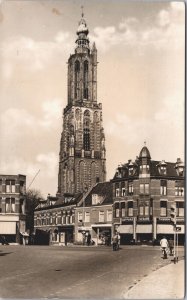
(92,149)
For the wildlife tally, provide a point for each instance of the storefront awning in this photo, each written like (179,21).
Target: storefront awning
(125,229)
(101,225)
(146,228)
(7,227)
(168,228)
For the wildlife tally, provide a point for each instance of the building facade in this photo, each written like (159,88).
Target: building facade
(143,192)
(54,221)
(93,215)
(82,146)
(12,207)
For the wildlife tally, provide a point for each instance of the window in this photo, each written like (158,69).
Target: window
(22,188)
(101,216)
(10,205)
(10,186)
(144,188)
(21,207)
(0,204)
(77,71)
(146,210)
(130,188)
(123,192)
(116,207)
(80,216)
(51,219)
(123,209)
(86,139)
(141,188)
(141,210)
(151,207)
(180,209)
(86,79)
(117,192)
(179,188)
(131,171)
(109,215)
(1,186)
(130,208)
(163,208)
(163,187)
(95,199)
(87,216)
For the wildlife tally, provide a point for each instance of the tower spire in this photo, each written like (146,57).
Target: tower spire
(82,14)
(82,40)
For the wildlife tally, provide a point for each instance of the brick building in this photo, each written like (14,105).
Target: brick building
(143,192)
(12,207)
(54,221)
(93,214)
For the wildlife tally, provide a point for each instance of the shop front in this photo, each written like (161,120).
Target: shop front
(102,234)
(144,233)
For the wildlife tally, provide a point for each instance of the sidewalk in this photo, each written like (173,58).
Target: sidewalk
(165,283)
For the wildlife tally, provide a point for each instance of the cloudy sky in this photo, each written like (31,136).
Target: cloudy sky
(140,80)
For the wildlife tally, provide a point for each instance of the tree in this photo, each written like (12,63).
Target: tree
(33,198)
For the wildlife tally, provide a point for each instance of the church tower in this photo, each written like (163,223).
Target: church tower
(82,160)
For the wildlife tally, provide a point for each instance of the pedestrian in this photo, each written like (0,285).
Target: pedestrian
(83,238)
(171,246)
(115,242)
(88,239)
(164,246)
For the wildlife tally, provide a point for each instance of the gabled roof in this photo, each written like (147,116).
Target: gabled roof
(103,189)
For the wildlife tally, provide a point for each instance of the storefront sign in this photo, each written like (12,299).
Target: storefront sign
(143,219)
(164,220)
(127,219)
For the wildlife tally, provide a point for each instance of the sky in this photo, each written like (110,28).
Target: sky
(141,48)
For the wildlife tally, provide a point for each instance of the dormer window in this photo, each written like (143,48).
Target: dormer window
(162,167)
(179,167)
(96,199)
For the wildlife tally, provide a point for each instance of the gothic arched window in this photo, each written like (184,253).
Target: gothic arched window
(86,79)
(77,74)
(86,131)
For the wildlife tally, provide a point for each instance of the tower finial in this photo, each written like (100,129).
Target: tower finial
(145,143)
(82,7)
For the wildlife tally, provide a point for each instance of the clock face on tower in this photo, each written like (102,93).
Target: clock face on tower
(82,139)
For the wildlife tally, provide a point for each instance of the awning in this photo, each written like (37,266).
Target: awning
(125,228)
(7,227)
(146,228)
(168,228)
(101,225)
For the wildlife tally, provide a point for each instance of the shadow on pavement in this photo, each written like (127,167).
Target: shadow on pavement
(4,253)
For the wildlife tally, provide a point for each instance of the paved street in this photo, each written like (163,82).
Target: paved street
(75,272)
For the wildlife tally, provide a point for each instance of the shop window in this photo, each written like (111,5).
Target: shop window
(109,215)
(87,216)
(123,209)
(163,208)
(10,205)
(130,208)
(101,216)
(180,209)
(163,187)
(130,188)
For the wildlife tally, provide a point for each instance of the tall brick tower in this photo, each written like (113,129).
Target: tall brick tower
(82,160)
